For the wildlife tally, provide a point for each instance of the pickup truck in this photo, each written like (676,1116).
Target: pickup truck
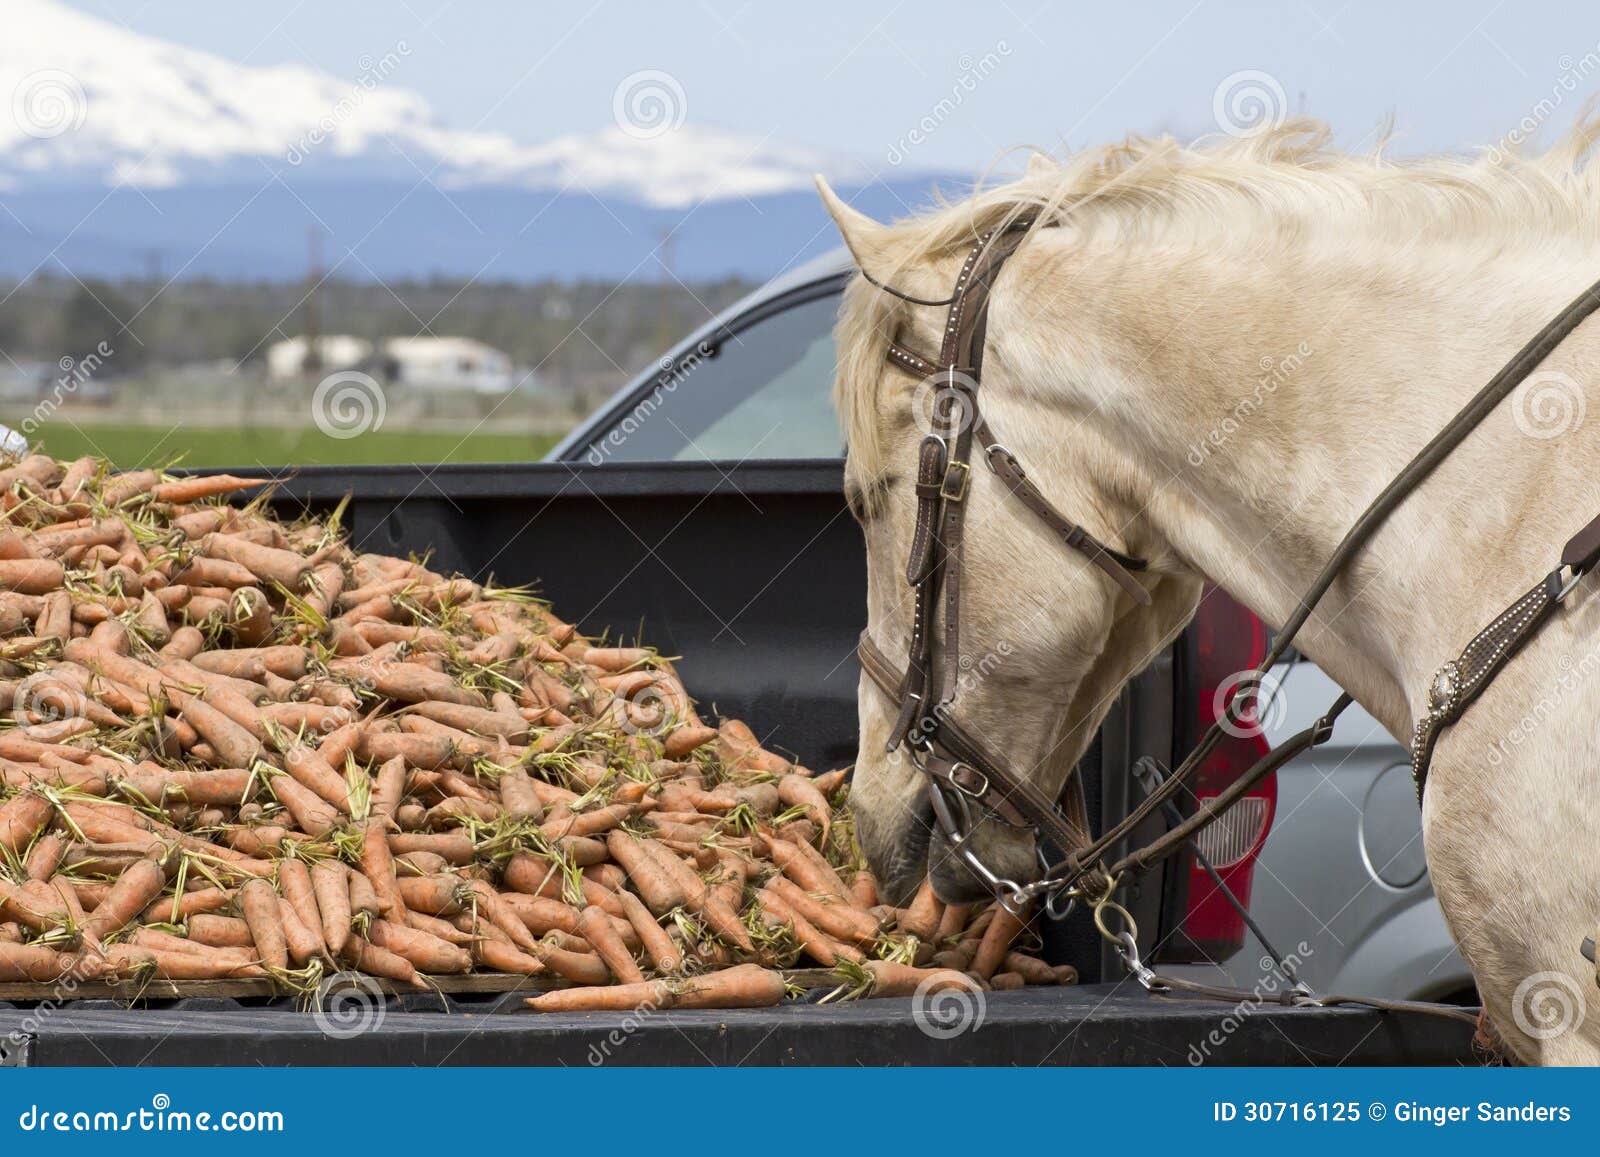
(662,520)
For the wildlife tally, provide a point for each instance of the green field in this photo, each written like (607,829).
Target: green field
(132,446)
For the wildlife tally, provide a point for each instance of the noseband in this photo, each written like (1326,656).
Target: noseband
(966,781)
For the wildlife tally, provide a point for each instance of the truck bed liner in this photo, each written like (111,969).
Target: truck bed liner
(1089,1025)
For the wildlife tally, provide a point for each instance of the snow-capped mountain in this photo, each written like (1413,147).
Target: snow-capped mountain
(93,101)
(120,151)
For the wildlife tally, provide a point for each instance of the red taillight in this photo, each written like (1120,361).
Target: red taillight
(1224,642)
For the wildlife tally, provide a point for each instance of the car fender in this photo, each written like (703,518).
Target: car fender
(1410,952)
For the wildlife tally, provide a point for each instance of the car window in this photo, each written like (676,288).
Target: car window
(762,393)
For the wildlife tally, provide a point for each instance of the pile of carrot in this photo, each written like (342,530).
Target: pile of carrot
(236,747)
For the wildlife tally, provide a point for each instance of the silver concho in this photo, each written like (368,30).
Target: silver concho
(1445,687)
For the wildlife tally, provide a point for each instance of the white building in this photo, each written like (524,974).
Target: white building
(446,364)
(335,351)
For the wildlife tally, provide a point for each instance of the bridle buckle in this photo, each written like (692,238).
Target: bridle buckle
(973,793)
(954,486)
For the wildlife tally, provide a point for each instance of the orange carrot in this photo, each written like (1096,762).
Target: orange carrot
(594,925)
(209,486)
(21,817)
(332,888)
(661,891)
(433,895)
(663,952)
(220,931)
(38,964)
(31,576)
(314,814)
(744,986)
(267,563)
(381,962)
(129,896)
(922,918)
(388,788)
(378,865)
(864,889)
(835,918)
(892,979)
(303,944)
(181,907)
(294,880)
(821,947)
(798,791)
(997,939)
(504,956)
(259,903)
(426,952)
(517,795)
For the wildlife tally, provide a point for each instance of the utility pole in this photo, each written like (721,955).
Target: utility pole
(313,359)
(666,254)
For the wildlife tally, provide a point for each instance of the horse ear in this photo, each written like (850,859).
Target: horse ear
(867,240)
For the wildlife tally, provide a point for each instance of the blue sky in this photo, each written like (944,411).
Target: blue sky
(858,77)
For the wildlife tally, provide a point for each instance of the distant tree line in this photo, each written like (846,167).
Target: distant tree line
(576,333)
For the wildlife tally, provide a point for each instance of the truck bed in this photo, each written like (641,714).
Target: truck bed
(1089,1025)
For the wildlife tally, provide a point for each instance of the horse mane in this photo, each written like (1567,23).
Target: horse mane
(1281,182)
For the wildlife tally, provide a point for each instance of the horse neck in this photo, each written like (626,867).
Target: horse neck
(1262,408)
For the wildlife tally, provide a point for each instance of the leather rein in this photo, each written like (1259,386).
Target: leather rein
(967,782)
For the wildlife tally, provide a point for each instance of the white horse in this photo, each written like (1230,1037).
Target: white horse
(1214,358)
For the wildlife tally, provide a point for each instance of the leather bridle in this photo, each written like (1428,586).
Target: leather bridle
(968,782)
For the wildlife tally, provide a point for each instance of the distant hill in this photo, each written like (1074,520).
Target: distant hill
(125,155)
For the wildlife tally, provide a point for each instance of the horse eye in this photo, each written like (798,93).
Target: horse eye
(865,503)
(856,501)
